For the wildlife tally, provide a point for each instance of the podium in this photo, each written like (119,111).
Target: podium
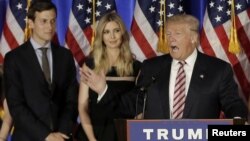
(160,130)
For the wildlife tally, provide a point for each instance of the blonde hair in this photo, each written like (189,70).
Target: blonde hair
(124,62)
(189,20)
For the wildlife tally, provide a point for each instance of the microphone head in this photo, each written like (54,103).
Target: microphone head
(142,89)
(153,78)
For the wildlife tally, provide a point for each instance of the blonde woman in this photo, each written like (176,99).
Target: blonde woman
(108,73)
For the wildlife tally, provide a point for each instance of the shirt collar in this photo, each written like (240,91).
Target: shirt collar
(190,60)
(37,45)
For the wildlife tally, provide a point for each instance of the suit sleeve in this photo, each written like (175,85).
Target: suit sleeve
(232,104)
(111,93)
(69,112)
(20,112)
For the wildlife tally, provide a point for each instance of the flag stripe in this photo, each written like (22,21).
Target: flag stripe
(75,48)
(139,55)
(145,27)
(242,33)
(79,34)
(233,60)
(142,41)
(11,40)
(78,40)
(12,34)
(212,47)
(206,47)
(14,27)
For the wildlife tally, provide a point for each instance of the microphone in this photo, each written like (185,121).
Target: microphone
(144,88)
(143,92)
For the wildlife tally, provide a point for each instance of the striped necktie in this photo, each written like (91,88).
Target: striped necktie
(179,92)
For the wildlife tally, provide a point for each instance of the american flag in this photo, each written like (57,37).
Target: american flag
(215,37)
(79,32)
(14,25)
(146,23)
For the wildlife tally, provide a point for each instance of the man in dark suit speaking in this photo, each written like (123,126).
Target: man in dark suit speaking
(187,83)
(40,81)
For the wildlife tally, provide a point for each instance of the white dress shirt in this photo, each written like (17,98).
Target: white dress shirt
(188,68)
(36,47)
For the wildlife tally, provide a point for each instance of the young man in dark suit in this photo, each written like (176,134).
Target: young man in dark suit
(41,89)
(204,89)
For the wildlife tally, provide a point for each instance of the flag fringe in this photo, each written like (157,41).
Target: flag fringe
(27,30)
(94,25)
(162,42)
(234,46)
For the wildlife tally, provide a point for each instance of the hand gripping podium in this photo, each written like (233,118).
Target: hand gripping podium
(161,130)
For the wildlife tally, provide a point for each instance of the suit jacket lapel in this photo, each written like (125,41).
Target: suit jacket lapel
(34,63)
(36,67)
(55,64)
(164,76)
(196,81)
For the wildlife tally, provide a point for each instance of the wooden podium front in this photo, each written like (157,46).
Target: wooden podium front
(157,130)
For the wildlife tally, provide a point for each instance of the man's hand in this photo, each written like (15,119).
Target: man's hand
(96,82)
(57,136)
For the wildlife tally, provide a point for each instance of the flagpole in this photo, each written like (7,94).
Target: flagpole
(27,31)
(94,24)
